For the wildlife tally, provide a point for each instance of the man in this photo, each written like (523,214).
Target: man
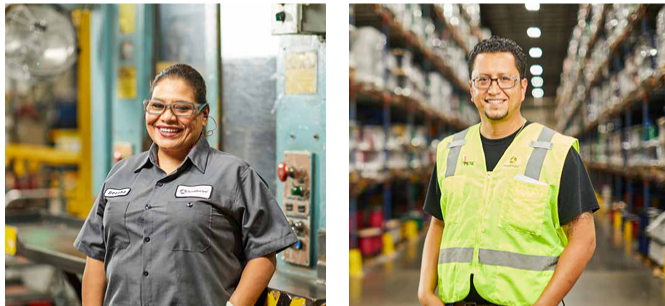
(514,196)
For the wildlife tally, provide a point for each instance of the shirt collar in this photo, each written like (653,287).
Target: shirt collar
(198,155)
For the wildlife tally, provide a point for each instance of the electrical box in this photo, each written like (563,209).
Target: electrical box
(298,19)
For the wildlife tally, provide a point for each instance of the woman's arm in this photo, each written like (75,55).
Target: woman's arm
(428,266)
(255,278)
(94,283)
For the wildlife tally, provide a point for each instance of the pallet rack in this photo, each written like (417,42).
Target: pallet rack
(637,191)
(387,107)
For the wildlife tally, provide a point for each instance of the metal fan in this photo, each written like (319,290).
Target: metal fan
(40,42)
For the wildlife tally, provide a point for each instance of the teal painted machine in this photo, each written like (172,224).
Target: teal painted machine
(301,148)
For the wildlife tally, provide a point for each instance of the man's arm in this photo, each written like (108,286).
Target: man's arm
(94,283)
(430,261)
(254,279)
(581,246)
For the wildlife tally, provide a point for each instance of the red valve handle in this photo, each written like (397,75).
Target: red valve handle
(282,172)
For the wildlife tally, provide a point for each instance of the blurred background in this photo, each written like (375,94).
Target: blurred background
(596,72)
(75,79)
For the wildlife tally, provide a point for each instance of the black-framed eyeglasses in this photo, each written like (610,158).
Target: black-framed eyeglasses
(504,82)
(179,108)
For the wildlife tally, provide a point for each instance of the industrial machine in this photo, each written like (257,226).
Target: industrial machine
(114,43)
(300,143)
(42,42)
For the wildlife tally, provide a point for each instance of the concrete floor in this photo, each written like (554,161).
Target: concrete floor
(614,276)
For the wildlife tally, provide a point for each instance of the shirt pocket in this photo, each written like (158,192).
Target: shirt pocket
(190,226)
(115,227)
(524,207)
(453,198)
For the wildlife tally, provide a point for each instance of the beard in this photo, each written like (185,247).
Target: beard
(496,115)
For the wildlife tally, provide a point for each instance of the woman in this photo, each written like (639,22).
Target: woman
(183,223)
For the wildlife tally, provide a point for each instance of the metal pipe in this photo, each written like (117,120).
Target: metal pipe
(30,194)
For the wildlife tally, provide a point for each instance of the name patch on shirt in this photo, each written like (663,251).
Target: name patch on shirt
(111,193)
(201,191)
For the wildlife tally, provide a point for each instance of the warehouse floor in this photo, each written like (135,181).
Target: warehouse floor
(612,277)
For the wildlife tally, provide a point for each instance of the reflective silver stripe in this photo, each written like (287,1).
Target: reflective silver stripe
(541,144)
(517,260)
(453,155)
(535,163)
(449,255)
(456,143)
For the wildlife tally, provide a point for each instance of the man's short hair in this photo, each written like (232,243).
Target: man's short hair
(497,44)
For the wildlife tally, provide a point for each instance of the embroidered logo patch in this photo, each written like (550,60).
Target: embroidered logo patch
(112,193)
(201,191)
(512,162)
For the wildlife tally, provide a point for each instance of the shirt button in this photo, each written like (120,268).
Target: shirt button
(148,207)
(146,239)
(145,273)
(190,204)
(160,184)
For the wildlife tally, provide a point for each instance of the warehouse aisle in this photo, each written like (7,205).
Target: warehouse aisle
(612,278)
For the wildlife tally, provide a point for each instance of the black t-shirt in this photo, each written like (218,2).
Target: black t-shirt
(576,193)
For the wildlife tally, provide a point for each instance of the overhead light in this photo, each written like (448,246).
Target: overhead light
(536,52)
(537,82)
(536,70)
(537,93)
(532,6)
(533,32)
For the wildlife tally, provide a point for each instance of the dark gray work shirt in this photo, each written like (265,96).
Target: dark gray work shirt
(182,238)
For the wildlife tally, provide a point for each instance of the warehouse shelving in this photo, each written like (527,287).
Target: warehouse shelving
(568,112)
(620,142)
(649,85)
(397,190)
(407,102)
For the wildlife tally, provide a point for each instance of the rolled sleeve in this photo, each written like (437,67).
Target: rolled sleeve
(264,227)
(90,240)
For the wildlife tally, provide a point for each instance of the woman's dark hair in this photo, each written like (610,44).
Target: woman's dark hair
(186,73)
(497,44)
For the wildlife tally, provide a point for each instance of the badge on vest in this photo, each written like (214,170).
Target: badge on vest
(201,191)
(112,193)
(466,163)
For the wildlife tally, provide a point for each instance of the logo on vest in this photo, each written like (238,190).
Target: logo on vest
(512,162)
(201,191)
(466,163)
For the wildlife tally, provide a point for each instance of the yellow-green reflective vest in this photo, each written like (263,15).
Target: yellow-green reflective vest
(501,226)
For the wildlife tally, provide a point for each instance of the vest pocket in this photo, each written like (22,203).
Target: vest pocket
(115,229)
(189,226)
(524,207)
(452,198)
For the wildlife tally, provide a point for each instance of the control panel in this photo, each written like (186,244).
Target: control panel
(296,174)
